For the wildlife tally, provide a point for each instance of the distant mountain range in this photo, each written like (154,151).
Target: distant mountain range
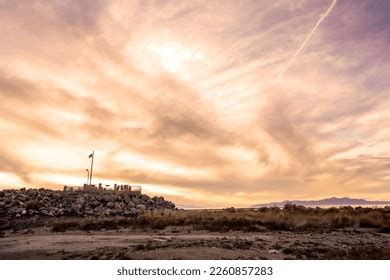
(345,201)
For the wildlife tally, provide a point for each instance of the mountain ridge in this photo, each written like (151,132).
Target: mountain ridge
(344,201)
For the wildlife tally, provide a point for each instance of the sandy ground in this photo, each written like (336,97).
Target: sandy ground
(186,244)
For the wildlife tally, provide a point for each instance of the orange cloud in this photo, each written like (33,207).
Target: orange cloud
(181,98)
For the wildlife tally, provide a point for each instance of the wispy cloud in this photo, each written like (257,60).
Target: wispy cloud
(181,97)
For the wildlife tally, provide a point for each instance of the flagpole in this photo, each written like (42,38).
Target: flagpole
(90,178)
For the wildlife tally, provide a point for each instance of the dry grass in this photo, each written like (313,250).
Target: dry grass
(352,253)
(291,218)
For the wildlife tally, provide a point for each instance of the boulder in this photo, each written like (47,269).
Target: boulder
(76,207)
(110,205)
(141,207)
(34,205)
(106,198)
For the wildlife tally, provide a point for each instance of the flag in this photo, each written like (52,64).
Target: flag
(91,155)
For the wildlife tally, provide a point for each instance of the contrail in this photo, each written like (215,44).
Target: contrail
(307,39)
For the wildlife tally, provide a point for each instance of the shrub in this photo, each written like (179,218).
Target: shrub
(366,223)
(64,226)
(292,218)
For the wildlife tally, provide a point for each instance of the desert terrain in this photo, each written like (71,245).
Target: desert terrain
(82,225)
(182,243)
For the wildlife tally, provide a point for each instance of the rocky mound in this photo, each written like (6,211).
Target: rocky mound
(44,202)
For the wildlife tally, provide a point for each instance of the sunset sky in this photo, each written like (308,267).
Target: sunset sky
(209,103)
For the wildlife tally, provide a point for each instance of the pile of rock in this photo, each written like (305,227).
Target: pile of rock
(44,202)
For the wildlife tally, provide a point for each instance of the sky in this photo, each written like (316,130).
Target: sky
(208,103)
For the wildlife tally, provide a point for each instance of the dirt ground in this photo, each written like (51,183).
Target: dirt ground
(183,243)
